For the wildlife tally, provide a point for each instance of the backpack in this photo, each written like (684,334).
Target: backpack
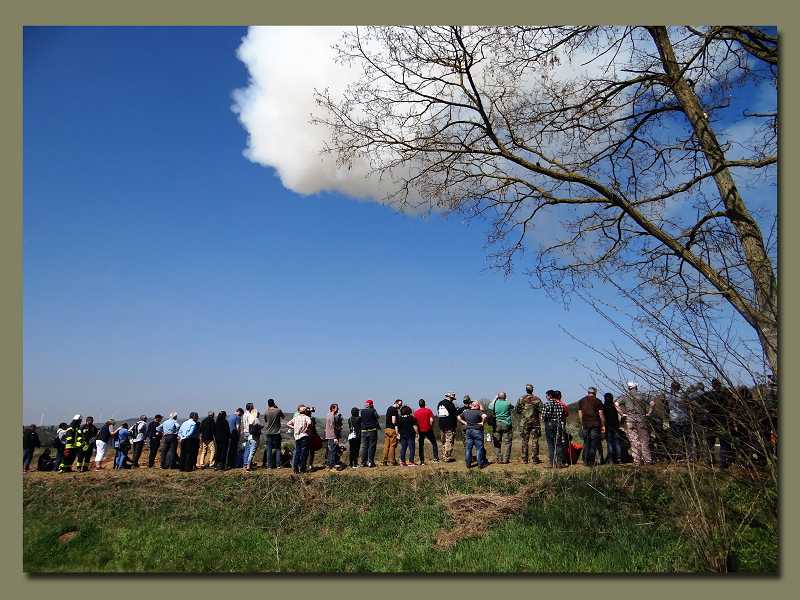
(491,421)
(443,414)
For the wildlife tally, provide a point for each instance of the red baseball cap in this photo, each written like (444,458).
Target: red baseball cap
(369,402)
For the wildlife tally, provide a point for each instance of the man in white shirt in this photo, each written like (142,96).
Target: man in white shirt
(300,425)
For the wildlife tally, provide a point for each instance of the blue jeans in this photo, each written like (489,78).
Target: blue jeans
(614,444)
(333,450)
(407,442)
(300,455)
(591,439)
(27,457)
(120,458)
(273,450)
(474,439)
(551,434)
(250,445)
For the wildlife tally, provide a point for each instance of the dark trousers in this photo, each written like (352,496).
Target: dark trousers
(152,452)
(725,449)
(407,441)
(551,434)
(591,439)
(27,457)
(169,450)
(474,440)
(189,448)
(272,451)
(233,450)
(355,446)
(137,452)
(614,444)
(369,443)
(423,435)
(300,455)
(220,453)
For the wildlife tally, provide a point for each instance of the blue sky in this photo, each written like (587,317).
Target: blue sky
(163,270)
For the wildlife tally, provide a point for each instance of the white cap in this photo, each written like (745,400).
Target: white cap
(632,385)
(76,418)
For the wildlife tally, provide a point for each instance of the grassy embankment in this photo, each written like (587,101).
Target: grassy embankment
(428,520)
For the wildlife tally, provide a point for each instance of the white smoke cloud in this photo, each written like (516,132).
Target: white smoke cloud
(286,65)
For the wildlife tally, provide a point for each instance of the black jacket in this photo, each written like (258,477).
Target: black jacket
(447,423)
(369,418)
(207,429)
(30,439)
(222,431)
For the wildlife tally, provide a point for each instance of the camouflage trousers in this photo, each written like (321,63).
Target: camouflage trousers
(639,437)
(447,441)
(526,432)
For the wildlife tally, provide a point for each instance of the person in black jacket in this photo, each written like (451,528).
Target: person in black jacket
(370,423)
(90,432)
(205,454)
(446,411)
(354,438)
(222,436)
(30,441)
(153,436)
(613,435)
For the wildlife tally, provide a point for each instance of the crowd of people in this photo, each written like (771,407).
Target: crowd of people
(697,420)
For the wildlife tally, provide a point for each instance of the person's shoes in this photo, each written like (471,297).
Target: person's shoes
(524,461)
(450,460)
(395,463)
(436,460)
(372,465)
(385,463)
(537,461)
(403,463)
(483,465)
(411,464)
(422,463)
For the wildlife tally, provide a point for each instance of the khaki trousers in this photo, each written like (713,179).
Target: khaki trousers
(205,453)
(390,446)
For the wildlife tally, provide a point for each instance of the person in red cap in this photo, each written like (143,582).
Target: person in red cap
(370,423)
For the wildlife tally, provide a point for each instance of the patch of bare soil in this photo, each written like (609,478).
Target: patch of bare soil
(474,514)
(66,537)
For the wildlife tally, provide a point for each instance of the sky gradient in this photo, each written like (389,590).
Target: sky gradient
(163,270)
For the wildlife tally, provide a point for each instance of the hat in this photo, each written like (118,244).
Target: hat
(632,385)
(369,402)
(143,417)
(173,414)
(450,395)
(591,388)
(76,418)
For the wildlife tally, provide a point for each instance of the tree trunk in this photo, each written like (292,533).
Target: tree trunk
(763,317)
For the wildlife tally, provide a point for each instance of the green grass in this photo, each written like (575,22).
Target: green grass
(606,521)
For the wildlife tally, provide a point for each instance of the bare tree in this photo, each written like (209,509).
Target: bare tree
(602,149)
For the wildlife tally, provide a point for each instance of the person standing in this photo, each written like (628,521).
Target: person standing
(593,424)
(390,436)
(153,436)
(529,411)
(331,436)
(613,433)
(473,419)
(139,435)
(222,435)
(554,422)
(635,408)
(122,444)
(300,424)
(446,410)
(188,437)
(424,418)
(354,437)
(30,442)
(250,427)
(678,411)
(504,427)
(272,429)
(72,442)
(718,423)
(407,432)
(235,427)
(370,423)
(88,436)
(101,444)
(169,435)
(58,443)
(205,453)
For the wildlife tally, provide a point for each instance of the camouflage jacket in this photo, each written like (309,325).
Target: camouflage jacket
(529,407)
